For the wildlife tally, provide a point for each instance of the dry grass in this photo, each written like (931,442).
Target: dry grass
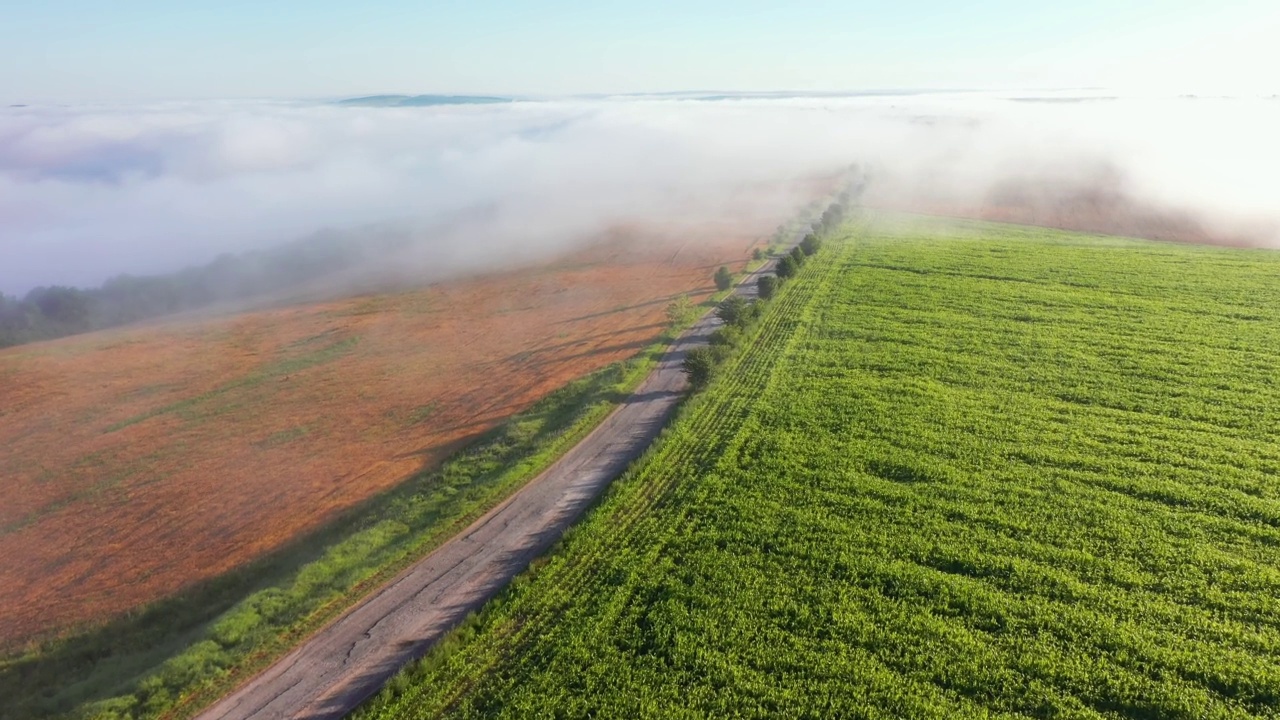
(142,460)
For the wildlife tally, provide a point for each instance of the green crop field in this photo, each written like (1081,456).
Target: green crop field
(961,470)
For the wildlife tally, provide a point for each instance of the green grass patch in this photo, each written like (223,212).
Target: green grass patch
(422,413)
(225,398)
(964,470)
(283,437)
(103,484)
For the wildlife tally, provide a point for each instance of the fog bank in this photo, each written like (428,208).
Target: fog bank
(87,192)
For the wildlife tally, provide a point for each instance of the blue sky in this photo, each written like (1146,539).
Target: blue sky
(144,49)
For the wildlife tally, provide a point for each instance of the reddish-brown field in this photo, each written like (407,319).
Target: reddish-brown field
(1100,204)
(141,460)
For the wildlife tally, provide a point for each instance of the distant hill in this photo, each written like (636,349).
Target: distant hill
(423,100)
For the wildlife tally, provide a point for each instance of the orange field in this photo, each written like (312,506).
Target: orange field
(138,461)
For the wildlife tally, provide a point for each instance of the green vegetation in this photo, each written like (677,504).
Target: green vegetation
(798,255)
(724,278)
(962,470)
(765,286)
(681,311)
(699,365)
(737,314)
(787,267)
(810,244)
(734,311)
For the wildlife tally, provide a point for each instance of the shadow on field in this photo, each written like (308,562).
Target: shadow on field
(526,354)
(504,404)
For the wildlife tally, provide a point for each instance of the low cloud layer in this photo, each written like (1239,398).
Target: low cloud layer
(92,191)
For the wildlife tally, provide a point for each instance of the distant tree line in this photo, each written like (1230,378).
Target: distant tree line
(724,278)
(55,311)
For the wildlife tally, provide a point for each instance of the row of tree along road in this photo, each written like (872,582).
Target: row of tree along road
(737,313)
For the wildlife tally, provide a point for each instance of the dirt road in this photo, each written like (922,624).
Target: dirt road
(352,658)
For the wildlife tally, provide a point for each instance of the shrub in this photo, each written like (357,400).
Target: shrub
(734,310)
(798,255)
(787,267)
(699,365)
(680,311)
(765,286)
(831,217)
(724,278)
(758,254)
(810,244)
(727,336)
